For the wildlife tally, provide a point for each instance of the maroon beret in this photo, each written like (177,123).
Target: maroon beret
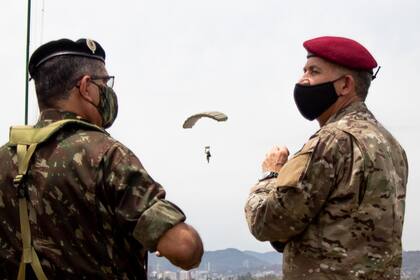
(342,51)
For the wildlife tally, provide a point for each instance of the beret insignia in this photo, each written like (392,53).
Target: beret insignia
(91,45)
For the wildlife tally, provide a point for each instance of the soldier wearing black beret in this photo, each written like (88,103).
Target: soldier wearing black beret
(94,211)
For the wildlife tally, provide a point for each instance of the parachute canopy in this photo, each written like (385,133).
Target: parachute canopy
(218,116)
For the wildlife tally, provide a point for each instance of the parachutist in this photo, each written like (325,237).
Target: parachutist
(191,121)
(207,152)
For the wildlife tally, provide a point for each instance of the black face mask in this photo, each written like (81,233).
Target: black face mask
(312,101)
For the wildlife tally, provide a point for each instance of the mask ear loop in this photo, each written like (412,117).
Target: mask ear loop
(376,73)
(93,104)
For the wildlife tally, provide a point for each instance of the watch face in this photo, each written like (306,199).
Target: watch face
(267,173)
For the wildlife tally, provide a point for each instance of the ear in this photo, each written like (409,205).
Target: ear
(346,86)
(84,86)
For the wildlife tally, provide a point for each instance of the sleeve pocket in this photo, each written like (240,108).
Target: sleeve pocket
(292,172)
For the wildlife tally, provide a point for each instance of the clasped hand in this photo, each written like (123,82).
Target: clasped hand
(275,159)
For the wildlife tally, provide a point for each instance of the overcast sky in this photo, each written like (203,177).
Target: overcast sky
(242,57)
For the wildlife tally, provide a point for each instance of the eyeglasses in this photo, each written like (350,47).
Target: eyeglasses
(109,80)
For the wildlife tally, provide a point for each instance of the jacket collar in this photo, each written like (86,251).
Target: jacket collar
(355,107)
(49,116)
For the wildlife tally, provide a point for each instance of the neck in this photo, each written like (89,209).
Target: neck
(72,104)
(64,106)
(342,102)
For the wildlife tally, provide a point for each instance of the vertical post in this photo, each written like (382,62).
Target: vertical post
(28,37)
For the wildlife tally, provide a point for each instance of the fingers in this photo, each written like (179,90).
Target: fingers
(284,149)
(278,154)
(275,159)
(279,151)
(283,154)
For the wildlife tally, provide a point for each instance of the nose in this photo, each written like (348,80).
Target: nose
(304,80)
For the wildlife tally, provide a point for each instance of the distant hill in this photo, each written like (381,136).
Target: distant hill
(411,264)
(233,261)
(269,257)
(227,261)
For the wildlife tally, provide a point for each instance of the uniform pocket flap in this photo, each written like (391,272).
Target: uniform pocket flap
(294,169)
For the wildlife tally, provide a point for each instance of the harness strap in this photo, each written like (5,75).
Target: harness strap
(29,135)
(26,139)
(29,255)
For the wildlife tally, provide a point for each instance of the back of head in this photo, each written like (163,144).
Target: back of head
(57,65)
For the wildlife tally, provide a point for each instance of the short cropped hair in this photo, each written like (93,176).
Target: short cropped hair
(362,79)
(57,76)
(362,83)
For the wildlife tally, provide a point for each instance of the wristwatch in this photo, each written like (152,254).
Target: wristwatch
(268,175)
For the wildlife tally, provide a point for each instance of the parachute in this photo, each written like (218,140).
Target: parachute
(192,120)
(218,116)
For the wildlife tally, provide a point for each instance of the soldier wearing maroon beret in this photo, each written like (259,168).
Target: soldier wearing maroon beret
(336,207)
(75,203)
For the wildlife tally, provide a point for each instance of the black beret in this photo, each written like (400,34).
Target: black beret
(82,47)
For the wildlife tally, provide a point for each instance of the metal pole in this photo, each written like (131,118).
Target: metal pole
(28,37)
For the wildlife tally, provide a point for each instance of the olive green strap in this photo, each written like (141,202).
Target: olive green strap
(36,266)
(26,139)
(29,255)
(29,135)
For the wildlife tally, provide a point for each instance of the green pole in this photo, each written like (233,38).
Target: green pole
(28,37)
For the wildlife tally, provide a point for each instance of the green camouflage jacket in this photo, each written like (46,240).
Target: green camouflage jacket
(94,210)
(338,203)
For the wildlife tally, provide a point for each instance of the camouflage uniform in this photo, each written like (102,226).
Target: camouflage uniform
(337,204)
(94,210)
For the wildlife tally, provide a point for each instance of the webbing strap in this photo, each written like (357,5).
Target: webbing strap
(36,267)
(25,231)
(29,135)
(26,138)
(25,157)
(29,255)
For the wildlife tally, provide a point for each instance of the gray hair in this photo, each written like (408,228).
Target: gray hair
(57,76)
(362,83)
(362,80)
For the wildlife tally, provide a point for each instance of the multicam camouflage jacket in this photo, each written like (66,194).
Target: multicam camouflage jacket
(338,203)
(94,211)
